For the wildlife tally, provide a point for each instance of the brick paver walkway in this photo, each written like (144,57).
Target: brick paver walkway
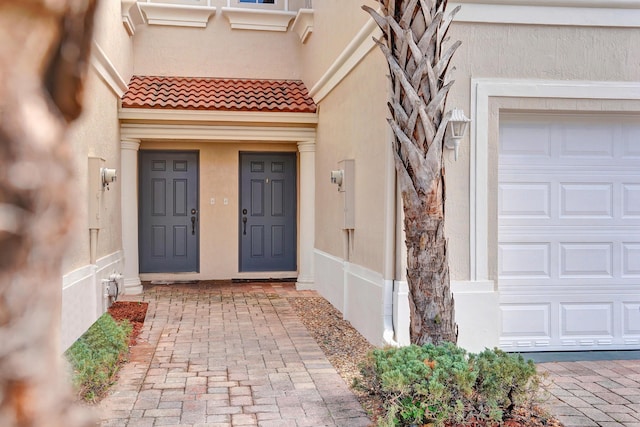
(595,393)
(228,355)
(222,354)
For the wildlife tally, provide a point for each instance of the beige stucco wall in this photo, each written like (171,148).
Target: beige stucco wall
(219,166)
(353,127)
(335,24)
(216,51)
(111,36)
(524,52)
(97,133)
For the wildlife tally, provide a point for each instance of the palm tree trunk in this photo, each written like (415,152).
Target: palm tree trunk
(414,33)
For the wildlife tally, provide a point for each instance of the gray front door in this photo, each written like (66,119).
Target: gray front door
(267,212)
(168,211)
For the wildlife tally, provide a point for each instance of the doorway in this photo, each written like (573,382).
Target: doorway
(267,212)
(168,213)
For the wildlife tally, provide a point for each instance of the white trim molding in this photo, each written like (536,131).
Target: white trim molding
(140,125)
(129,211)
(307,209)
(482,91)
(107,71)
(131,16)
(178,15)
(186,132)
(83,299)
(303,24)
(149,115)
(477,310)
(190,125)
(257,19)
(350,57)
(592,13)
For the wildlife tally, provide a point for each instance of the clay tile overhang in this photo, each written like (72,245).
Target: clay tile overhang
(215,94)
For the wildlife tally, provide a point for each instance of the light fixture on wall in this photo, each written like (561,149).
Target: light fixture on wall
(456,127)
(336,178)
(107,176)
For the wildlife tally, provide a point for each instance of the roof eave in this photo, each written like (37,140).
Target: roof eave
(216,117)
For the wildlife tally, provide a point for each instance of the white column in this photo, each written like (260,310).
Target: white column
(129,211)
(307,202)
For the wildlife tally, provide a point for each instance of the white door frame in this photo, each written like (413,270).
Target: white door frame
(138,125)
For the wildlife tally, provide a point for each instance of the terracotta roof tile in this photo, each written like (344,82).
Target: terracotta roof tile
(193,93)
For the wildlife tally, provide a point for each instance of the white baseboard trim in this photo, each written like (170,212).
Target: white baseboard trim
(83,296)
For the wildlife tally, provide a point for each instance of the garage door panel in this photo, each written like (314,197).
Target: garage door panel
(526,320)
(631,319)
(524,199)
(592,260)
(525,139)
(570,256)
(586,200)
(582,140)
(631,200)
(531,260)
(631,141)
(570,198)
(586,320)
(569,234)
(631,260)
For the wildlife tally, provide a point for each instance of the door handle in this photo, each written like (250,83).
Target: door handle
(244,225)
(193,225)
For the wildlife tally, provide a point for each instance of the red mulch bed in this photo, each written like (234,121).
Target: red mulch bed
(134,312)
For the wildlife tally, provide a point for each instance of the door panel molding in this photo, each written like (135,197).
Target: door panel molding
(268,195)
(168,191)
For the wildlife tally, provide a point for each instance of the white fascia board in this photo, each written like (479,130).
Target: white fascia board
(552,12)
(148,115)
(256,19)
(177,14)
(350,57)
(186,132)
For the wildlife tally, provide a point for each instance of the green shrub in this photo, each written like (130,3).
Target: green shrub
(443,384)
(94,357)
(505,381)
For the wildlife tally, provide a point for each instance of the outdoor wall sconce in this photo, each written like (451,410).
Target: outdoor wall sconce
(336,178)
(457,127)
(107,176)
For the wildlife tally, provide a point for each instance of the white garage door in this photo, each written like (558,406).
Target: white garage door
(569,233)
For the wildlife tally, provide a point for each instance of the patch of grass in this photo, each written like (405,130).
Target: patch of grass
(95,356)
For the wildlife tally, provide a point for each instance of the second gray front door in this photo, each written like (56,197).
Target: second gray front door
(267,214)
(168,240)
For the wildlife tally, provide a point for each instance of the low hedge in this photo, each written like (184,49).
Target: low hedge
(445,385)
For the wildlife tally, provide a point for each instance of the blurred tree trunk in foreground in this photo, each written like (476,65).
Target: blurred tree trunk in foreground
(44,51)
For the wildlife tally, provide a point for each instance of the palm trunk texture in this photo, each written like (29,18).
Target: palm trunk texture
(414,32)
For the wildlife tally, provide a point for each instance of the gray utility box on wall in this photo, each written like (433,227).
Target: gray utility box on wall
(347,187)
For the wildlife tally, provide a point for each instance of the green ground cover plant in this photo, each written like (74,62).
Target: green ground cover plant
(95,356)
(444,385)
